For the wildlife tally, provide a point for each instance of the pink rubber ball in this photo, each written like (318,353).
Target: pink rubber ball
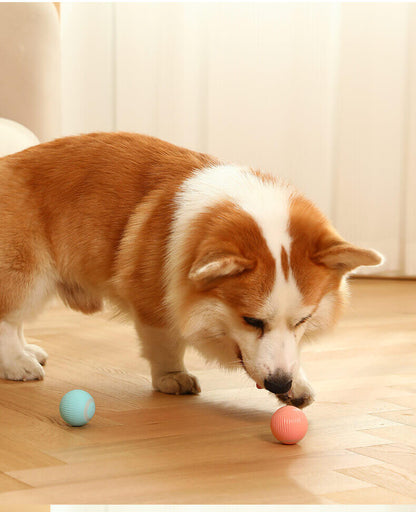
(289,424)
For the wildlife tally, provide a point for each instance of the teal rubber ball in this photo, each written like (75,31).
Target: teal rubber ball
(77,407)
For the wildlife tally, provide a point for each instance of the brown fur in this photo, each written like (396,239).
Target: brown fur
(314,242)
(309,231)
(67,204)
(285,263)
(227,230)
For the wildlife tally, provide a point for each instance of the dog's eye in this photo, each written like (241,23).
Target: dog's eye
(255,322)
(303,320)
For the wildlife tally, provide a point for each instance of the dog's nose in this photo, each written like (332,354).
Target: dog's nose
(278,384)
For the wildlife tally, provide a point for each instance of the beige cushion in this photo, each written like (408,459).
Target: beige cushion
(15,137)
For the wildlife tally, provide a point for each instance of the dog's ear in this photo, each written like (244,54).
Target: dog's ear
(313,236)
(343,256)
(212,266)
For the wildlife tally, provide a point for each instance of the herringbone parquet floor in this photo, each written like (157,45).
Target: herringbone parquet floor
(145,447)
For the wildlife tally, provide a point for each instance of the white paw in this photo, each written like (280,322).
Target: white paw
(300,395)
(178,383)
(24,366)
(40,354)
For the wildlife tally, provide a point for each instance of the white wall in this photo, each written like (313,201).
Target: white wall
(371,126)
(408,196)
(322,94)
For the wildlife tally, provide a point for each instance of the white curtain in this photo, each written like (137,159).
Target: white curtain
(323,94)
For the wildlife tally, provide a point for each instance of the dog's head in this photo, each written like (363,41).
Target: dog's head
(249,291)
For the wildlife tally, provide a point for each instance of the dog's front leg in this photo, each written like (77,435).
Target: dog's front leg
(165,355)
(301,393)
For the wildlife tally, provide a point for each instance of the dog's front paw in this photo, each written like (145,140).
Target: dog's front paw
(297,401)
(178,383)
(24,366)
(40,354)
(300,395)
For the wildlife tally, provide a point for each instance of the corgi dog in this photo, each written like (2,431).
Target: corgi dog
(227,259)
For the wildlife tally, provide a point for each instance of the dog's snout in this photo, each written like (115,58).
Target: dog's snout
(278,383)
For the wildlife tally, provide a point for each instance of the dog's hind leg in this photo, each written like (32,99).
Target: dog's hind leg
(165,355)
(18,359)
(27,277)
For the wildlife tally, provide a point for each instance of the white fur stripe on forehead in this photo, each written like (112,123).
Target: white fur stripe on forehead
(266,201)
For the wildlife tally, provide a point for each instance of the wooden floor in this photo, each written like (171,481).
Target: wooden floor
(145,447)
